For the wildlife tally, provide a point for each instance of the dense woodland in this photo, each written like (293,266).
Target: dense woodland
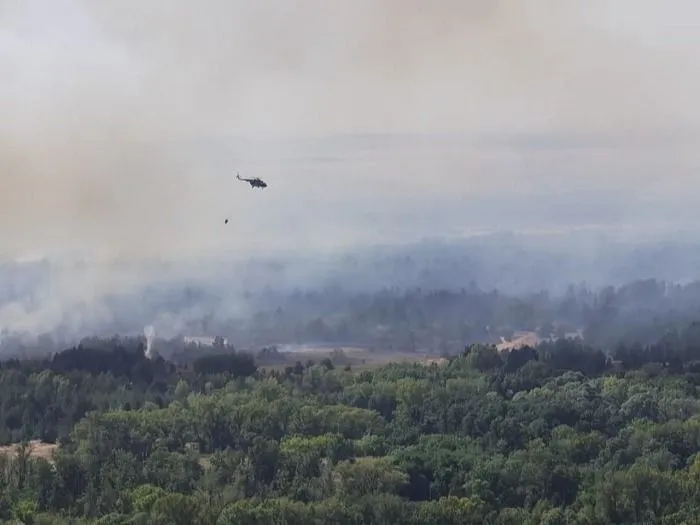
(639,311)
(563,433)
(432,320)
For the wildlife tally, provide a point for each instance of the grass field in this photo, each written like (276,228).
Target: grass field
(357,358)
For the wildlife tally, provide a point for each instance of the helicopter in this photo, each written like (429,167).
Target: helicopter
(255,182)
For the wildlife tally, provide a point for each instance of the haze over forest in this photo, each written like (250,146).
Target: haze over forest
(469,293)
(380,127)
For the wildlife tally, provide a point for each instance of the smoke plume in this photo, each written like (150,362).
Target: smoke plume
(122,122)
(150,333)
(103,101)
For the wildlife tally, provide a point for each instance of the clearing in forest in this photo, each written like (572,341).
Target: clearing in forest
(37,449)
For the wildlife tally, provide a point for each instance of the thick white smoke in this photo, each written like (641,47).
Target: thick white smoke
(122,122)
(150,334)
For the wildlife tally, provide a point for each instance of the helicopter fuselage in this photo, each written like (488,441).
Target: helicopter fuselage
(254,183)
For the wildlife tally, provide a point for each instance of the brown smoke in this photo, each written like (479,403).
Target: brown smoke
(101,99)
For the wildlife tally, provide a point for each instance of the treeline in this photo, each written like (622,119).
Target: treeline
(443,321)
(446,320)
(44,398)
(559,434)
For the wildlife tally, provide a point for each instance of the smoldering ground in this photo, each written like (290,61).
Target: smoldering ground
(106,105)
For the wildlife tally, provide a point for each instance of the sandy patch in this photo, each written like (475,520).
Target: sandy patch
(37,449)
(521,339)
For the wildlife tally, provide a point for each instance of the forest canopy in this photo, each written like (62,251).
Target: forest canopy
(560,433)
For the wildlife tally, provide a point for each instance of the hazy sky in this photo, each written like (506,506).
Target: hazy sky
(121,121)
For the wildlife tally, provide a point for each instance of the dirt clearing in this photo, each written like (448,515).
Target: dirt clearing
(37,449)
